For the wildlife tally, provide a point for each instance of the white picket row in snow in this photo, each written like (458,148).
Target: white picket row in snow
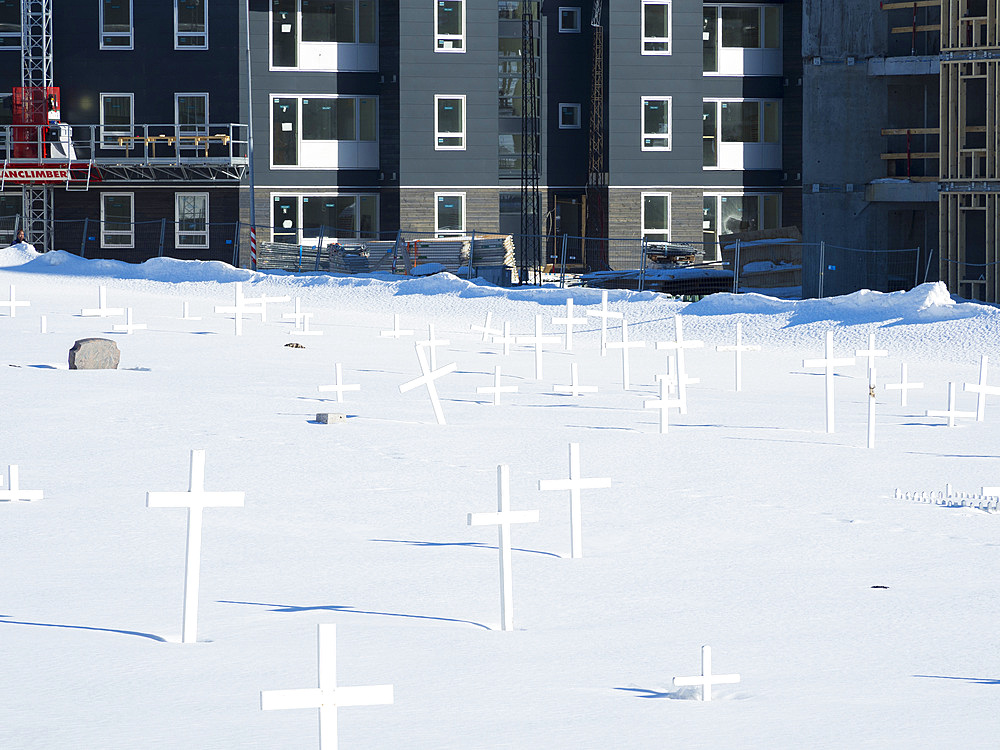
(982,389)
(339,387)
(395,332)
(538,341)
(503,518)
(128,327)
(605,315)
(432,344)
(575,484)
(828,363)
(485,328)
(626,346)
(102,310)
(664,403)
(739,347)
(14,491)
(952,412)
(496,389)
(681,346)
(327,697)
(706,680)
(569,321)
(427,378)
(903,386)
(196,499)
(574,388)
(13,303)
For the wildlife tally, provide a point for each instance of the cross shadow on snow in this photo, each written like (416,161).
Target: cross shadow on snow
(82,627)
(682,694)
(974,680)
(351,611)
(476,545)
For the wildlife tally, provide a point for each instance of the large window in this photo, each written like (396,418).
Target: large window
(116,120)
(742,39)
(336,35)
(306,219)
(656,27)
(191,220)
(731,213)
(656,123)
(116,24)
(10,24)
(190,24)
(117,220)
(449,26)
(742,134)
(324,132)
(449,122)
(449,214)
(191,116)
(656,217)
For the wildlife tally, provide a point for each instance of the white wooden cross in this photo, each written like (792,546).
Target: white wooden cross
(670,376)
(186,312)
(503,518)
(239,307)
(738,348)
(625,345)
(296,316)
(306,330)
(574,388)
(683,381)
(664,403)
(44,325)
(575,484)
(828,363)
(327,697)
(196,499)
(485,329)
(102,310)
(263,302)
(396,331)
(432,344)
(427,378)
(14,484)
(128,327)
(506,339)
(979,388)
(605,315)
(903,386)
(339,387)
(569,321)
(952,412)
(871,407)
(12,304)
(706,680)
(496,389)
(539,341)
(871,352)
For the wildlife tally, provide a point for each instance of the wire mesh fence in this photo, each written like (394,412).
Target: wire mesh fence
(8,229)
(135,242)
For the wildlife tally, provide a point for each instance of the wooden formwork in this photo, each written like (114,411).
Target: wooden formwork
(970,144)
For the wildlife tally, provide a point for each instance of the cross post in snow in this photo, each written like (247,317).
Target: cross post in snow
(102,310)
(496,389)
(738,348)
(706,680)
(432,344)
(569,321)
(625,345)
(538,341)
(14,491)
(12,304)
(903,386)
(506,339)
(396,331)
(605,315)
(664,403)
(485,329)
(574,388)
(828,363)
(339,387)
(982,389)
(128,327)
(952,411)
(575,484)
(683,381)
(427,378)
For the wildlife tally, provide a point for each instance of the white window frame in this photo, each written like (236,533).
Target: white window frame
(438,134)
(774,147)
(438,232)
(356,145)
(177,223)
(717,197)
(114,131)
(577,13)
(642,214)
(131,233)
(668,136)
(300,240)
(178,34)
(748,61)
(327,56)
(189,128)
(657,39)
(102,35)
(573,107)
(440,38)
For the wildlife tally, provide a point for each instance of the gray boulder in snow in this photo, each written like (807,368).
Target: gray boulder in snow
(94,354)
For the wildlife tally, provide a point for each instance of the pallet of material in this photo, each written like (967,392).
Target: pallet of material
(362,257)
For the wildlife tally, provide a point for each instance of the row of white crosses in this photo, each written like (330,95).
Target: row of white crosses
(243,305)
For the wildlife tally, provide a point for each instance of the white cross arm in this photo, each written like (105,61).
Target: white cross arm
(364,695)
(431,376)
(510,516)
(194,499)
(574,484)
(276,700)
(705,679)
(987,390)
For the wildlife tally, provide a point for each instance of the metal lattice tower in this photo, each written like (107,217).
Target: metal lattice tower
(36,71)
(531,204)
(597,171)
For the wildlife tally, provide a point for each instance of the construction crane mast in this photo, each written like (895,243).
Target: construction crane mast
(36,76)
(596,256)
(531,202)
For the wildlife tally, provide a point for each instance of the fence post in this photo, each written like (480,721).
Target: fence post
(642,265)
(83,237)
(395,249)
(472,249)
(236,244)
(163,232)
(916,267)
(736,268)
(17,225)
(822,266)
(562,262)
(927,270)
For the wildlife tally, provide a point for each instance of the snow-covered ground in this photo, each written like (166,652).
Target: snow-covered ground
(747,527)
